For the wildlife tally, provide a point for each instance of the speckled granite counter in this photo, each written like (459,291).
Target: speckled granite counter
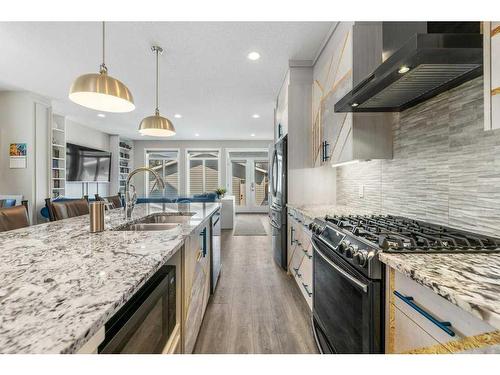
(470,281)
(314,211)
(59,284)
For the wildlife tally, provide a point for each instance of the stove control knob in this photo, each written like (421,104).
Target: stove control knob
(361,258)
(343,246)
(319,229)
(350,251)
(311,225)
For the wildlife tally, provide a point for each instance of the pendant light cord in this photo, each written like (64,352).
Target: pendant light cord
(157,111)
(157,50)
(103,68)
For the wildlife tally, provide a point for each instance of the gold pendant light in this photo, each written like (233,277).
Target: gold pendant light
(156,125)
(101,91)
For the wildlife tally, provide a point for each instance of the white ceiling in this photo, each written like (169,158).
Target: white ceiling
(205,74)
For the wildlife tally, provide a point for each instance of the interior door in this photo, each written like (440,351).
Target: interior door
(250,184)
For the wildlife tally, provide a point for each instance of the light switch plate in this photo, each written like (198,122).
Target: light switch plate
(361,191)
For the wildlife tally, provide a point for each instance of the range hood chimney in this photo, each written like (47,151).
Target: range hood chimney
(419,60)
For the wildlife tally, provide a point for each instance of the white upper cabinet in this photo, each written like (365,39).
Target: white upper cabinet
(281,110)
(353,52)
(491,33)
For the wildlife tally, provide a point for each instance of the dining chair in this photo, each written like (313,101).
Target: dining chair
(14,217)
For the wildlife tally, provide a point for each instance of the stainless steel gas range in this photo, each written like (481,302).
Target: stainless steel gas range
(349,279)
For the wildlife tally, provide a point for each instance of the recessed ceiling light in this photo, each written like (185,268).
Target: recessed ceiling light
(101,115)
(196,134)
(177,115)
(252,135)
(253,55)
(256,115)
(354,104)
(404,69)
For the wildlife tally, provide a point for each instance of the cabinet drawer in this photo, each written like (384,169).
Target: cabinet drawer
(408,335)
(306,271)
(296,261)
(428,310)
(303,279)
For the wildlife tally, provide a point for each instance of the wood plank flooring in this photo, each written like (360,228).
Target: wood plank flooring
(257,307)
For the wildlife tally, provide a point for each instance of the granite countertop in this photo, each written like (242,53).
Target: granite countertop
(470,281)
(59,283)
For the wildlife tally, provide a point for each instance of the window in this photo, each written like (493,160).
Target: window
(166,164)
(203,171)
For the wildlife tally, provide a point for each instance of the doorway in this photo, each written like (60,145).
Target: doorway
(248,179)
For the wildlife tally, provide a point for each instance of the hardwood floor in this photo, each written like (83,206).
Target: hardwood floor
(257,307)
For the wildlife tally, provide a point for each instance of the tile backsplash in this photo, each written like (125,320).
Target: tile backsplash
(445,170)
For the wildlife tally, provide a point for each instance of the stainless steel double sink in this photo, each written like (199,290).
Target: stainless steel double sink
(158,221)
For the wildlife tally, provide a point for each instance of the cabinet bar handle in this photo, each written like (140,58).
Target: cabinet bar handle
(306,253)
(445,326)
(306,288)
(297,272)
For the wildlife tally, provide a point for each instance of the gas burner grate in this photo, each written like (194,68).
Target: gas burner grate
(396,234)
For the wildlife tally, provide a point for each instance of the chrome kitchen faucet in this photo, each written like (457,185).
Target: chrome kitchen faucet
(131,201)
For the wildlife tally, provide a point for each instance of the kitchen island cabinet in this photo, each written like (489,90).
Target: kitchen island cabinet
(197,284)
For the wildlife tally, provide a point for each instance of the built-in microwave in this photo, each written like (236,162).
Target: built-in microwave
(144,324)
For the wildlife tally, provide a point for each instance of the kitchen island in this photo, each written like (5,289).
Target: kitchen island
(59,284)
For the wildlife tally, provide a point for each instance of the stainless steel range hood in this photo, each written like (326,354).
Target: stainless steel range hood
(426,65)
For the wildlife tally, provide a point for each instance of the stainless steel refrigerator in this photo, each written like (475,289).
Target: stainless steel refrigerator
(277,208)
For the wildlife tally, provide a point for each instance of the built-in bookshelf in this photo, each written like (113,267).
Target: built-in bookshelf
(57,145)
(125,162)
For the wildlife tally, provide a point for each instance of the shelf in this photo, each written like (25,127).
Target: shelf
(58,130)
(53,158)
(59,169)
(56,145)
(59,188)
(125,149)
(58,178)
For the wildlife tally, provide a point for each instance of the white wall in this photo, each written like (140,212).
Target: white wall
(84,136)
(19,123)
(140,146)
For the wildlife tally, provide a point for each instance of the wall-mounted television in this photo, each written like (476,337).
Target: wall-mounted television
(84,164)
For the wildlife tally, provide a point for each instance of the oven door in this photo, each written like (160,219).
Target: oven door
(346,306)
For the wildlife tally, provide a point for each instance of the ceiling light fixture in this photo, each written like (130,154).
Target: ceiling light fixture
(156,125)
(252,135)
(404,69)
(253,56)
(256,115)
(354,105)
(177,115)
(101,115)
(196,134)
(100,91)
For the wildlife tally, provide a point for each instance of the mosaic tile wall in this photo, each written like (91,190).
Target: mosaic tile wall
(446,168)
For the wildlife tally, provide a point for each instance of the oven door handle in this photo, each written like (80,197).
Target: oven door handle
(355,281)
